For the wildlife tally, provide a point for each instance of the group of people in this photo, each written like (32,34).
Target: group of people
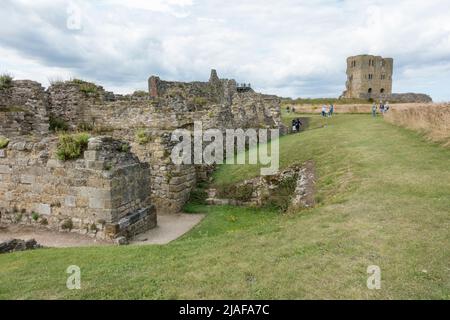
(296,124)
(384,107)
(327,112)
(288,109)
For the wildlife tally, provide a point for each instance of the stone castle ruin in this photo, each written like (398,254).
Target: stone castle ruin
(370,77)
(124,176)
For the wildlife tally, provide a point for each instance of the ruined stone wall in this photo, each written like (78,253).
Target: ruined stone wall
(23,109)
(171,183)
(410,98)
(15,123)
(292,189)
(71,101)
(103,194)
(166,107)
(173,105)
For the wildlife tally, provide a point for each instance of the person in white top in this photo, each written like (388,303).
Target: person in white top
(324,111)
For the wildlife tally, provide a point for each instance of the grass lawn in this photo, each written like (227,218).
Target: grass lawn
(383,199)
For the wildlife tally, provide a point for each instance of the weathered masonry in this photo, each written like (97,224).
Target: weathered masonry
(125,176)
(102,194)
(369,77)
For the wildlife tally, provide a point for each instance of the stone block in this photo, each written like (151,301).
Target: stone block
(91,155)
(95,165)
(96,203)
(177,188)
(44,209)
(5,168)
(26,179)
(53,163)
(70,201)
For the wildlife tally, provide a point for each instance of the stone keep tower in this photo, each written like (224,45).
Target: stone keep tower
(369,77)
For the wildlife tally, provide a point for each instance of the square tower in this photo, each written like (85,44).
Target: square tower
(369,77)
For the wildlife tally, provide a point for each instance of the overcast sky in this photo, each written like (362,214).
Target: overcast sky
(294,48)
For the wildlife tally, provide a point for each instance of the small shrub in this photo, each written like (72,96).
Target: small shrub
(44,221)
(198,196)
(67,225)
(319,199)
(241,192)
(84,126)
(35,216)
(140,93)
(53,81)
(124,148)
(3,142)
(281,197)
(58,124)
(18,217)
(93,227)
(87,88)
(102,129)
(72,146)
(5,81)
(13,109)
(199,101)
(142,137)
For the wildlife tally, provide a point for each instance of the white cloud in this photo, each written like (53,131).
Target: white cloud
(287,47)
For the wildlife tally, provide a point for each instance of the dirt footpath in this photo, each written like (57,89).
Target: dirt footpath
(170,227)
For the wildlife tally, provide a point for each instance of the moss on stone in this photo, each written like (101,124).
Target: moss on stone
(142,137)
(3,142)
(57,124)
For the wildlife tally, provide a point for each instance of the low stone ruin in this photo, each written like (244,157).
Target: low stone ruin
(15,245)
(104,194)
(409,98)
(292,189)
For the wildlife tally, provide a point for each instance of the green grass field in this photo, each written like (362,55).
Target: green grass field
(383,196)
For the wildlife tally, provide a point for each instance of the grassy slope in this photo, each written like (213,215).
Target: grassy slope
(384,200)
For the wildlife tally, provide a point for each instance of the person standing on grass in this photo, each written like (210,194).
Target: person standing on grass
(386,107)
(374,110)
(324,111)
(294,125)
(298,124)
(331,110)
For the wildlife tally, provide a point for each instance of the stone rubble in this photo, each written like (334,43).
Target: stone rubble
(15,245)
